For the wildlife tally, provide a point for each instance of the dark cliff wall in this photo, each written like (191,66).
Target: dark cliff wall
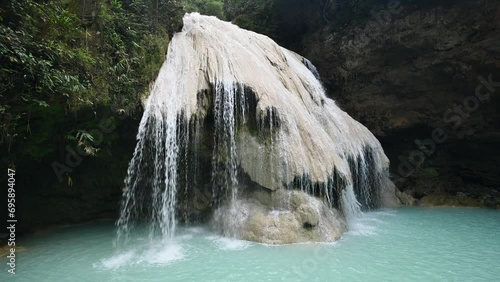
(409,71)
(425,80)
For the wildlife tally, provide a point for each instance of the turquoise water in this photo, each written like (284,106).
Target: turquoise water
(408,244)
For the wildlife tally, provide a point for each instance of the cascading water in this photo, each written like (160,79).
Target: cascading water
(225,154)
(233,106)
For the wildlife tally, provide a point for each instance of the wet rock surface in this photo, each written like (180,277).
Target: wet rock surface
(281,217)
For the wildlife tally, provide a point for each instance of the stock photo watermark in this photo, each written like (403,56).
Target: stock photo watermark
(11,220)
(455,116)
(75,154)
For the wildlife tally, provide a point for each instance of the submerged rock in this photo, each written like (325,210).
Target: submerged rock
(406,199)
(301,219)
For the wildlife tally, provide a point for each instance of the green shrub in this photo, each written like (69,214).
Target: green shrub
(60,60)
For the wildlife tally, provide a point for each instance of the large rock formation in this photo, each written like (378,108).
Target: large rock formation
(271,127)
(281,218)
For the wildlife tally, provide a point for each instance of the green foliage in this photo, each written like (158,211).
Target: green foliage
(431,172)
(66,58)
(257,15)
(206,7)
(85,141)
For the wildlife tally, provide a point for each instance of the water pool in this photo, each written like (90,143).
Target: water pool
(407,244)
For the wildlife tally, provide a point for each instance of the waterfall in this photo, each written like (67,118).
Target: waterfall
(224,156)
(311,67)
(232,111)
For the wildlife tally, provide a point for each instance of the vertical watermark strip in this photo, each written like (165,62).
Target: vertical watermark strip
(11,220)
